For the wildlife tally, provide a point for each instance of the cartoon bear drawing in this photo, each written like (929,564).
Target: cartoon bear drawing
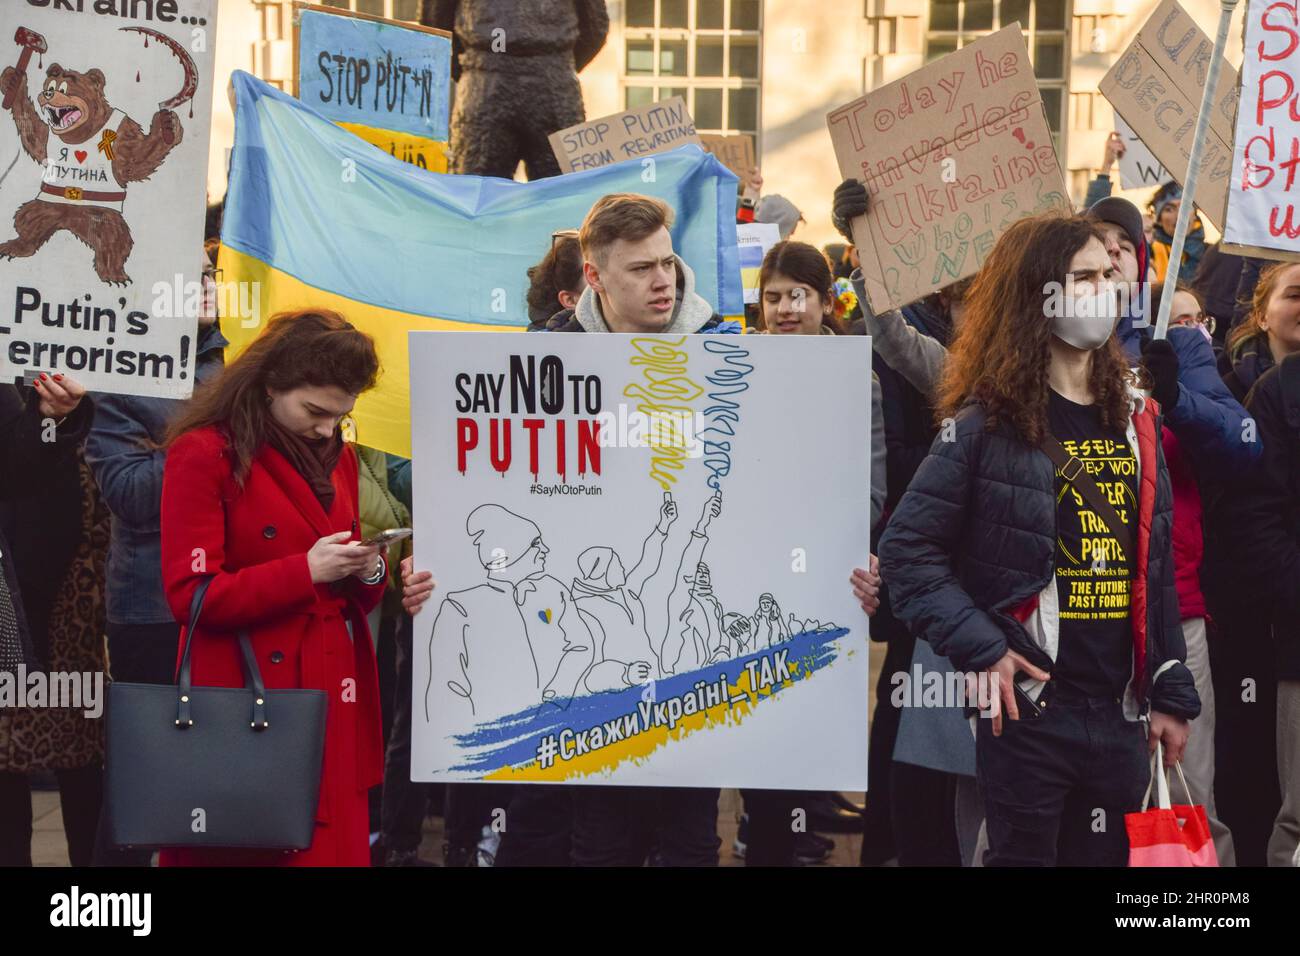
(97,151)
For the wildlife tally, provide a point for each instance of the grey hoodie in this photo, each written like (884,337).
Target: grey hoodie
(689,314)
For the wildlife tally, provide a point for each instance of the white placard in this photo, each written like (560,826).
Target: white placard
(1138,167)
(642,548)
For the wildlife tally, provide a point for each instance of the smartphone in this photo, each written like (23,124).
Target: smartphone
(385,538)
(1025,705)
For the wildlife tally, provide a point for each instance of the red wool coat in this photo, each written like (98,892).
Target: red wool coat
(255,541)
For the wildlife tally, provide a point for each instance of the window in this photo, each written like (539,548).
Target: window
(392,9)
(709,52)
(955,23)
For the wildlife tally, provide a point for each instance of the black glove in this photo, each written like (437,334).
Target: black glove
(850,200)
(1161,362)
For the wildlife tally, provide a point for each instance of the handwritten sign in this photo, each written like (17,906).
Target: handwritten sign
(1138,167)
(754,239)
(369,71)
(1156,86)
(104,129)
(644,131)
(734,152)
(1262,218)
(951,155)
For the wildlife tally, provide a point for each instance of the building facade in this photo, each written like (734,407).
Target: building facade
(773,69)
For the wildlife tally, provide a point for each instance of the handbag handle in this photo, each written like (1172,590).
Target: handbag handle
(252,674)
(1160,777)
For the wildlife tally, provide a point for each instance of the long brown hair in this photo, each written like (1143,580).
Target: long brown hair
(312,347)
(1002,351)
(1249,326)
(806,265)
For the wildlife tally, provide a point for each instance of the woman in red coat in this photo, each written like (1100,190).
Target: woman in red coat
(260,493)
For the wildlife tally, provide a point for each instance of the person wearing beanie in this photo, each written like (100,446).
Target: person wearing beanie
(1164,208)
(777,209)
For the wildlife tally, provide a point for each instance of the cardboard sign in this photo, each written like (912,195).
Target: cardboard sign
(734,152)
(1156,86)
(1138,167)
(365,70)
(616,602)
(103,157)
(644,131)
(951,155)
(1262,195)
(754,238)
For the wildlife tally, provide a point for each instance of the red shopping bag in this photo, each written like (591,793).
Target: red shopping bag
(1168,835)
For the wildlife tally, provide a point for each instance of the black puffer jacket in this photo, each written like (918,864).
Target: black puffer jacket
(1258,521)
(975,537)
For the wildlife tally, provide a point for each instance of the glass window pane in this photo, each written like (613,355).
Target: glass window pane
(744,14)
(708,109)
(1014,10)
(1049,58)
(672,57)
(640,13)
(708,56)
(638,96)
(744,57)
(1052,106)
(374,7)
(708,14)
(406,9)
(742,109)
(668,92)
(943,14)
(940,46)
(672,13)
(978,15)
(1050,14)
(641,57)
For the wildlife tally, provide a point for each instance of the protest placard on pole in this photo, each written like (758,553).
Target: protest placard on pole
(1138,167)
(644,131)
(1156,86)
(103,156)
(754,239)
(388,81)
(1262,219)
(618,600)
(734,152)
(951,155)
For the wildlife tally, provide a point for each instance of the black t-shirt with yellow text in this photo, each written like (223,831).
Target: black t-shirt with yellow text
(1093,575)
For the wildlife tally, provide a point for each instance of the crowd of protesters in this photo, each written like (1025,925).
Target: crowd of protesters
(1030,465)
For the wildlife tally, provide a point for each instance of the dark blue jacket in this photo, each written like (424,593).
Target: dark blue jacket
(974,539)
(1208,421)
(128,467)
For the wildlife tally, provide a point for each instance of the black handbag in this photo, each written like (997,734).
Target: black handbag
(213,766)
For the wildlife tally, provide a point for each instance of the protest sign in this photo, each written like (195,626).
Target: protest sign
(1261,217)
(628,592)
(644,131)
(104,155)
(364,70)
(734,152)
(1138,166)
(754,238)
(1156,86)
(951,155)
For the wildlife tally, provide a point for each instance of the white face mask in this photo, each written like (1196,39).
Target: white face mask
(1088,320)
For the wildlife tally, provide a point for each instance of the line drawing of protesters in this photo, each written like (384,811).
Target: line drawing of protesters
(515,640)
(739,633)
(704,615)
(610,601)
(684,647)
(767,626)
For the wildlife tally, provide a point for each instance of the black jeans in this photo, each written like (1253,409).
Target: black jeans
(80,795)
(539,826)
(621,826)
(771,826)
(137,654)
(403,803)
(1056,787)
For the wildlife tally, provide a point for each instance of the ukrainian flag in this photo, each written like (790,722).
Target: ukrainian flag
(317,218)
